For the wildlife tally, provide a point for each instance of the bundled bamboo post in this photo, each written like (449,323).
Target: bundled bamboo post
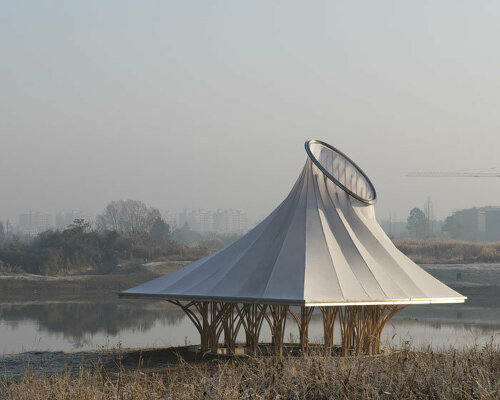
(303,324)
(215,323)
(231,323)
(343,329)
(202,308)
(277,322)
(359,331)
(329,315)
(347,319)
(361,327)
(386,313)
(199,324)
(252,316)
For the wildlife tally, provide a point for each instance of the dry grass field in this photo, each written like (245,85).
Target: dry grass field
(469,374)
(447,251)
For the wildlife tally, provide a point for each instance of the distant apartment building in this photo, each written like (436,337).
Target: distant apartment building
(172,220)
(230,221)
(66,218)
(220,221)
(198,220)
(492,223)
(478,223)
(34,222)
(201,221)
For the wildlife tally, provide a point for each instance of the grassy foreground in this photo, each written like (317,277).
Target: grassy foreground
(470,374)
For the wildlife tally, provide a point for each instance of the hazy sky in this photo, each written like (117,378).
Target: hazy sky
(208,103)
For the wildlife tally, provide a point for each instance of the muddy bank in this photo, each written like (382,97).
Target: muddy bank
(38,288)
(49,363)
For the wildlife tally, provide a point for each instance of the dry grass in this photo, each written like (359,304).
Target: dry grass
(468,374)
(437,250)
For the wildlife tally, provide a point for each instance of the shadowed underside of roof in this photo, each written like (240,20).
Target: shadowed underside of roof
(320,246)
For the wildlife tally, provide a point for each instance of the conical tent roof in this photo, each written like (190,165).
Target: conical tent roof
(320,246)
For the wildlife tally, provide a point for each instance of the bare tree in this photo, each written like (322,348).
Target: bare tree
(130,217)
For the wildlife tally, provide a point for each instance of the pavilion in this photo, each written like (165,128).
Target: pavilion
(321,247)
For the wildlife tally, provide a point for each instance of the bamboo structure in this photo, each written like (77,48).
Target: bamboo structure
(218,323)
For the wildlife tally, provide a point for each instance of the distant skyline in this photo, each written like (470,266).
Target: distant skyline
(208,104)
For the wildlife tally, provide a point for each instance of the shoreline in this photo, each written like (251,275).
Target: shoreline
(16,287)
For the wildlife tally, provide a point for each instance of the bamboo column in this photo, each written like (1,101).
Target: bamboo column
(202,308)
(194,319)
(329,315)
(231,323)
(277,322)
(386,313)
(252,316)
(346,318)
(215,324)
(303,324)
(361,327)
(208,320)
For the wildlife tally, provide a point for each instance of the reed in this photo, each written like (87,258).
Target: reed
(472,373)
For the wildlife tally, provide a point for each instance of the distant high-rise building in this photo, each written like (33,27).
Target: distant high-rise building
(172,220)
(66,218)
(34,222)
(492,223)
(230,221)
(478,223)
(198,220)
(221,221)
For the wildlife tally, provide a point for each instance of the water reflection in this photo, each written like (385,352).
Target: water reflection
(88,325)
(78,319)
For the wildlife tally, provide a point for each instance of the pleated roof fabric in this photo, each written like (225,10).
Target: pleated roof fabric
(320,246)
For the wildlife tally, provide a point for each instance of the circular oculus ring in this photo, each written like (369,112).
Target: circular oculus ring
(341,170)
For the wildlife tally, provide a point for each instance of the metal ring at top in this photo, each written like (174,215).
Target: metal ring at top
(334,180)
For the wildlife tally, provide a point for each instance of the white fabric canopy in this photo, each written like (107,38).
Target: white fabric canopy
(320,246)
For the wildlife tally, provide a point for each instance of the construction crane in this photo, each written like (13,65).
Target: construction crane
(454,174)
(450,174)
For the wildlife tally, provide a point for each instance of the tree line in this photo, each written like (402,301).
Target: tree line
(125,230)
(418,226)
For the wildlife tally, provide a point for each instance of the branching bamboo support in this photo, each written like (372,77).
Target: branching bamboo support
(361,327)
(303,324)
(277,323)
(231,322)
(252,316)
(208,320)
(329,316)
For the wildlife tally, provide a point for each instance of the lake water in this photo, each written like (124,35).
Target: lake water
(88,325)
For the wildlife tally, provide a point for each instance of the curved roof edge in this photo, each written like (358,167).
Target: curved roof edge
(307,303)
